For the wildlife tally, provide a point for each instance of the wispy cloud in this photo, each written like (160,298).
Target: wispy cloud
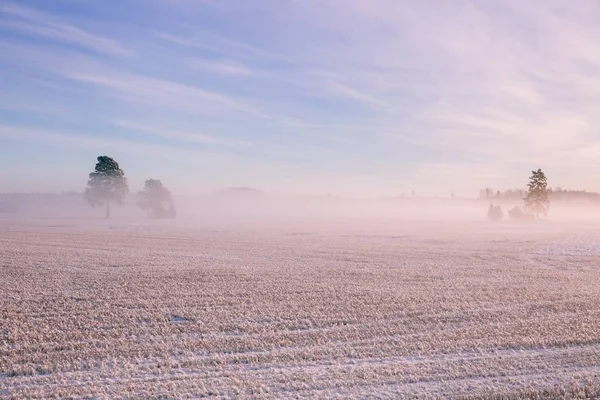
(67,139)
(178,134)
(344,91)
(220,45)
(33,108)
(35,23)
(222,67)
(164,93)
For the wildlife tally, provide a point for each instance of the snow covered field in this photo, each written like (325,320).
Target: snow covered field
(95,309)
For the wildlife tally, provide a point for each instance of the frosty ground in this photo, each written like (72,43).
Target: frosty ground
(101,309)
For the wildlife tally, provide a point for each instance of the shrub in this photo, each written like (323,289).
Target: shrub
(157,199)
(495,213)
(518,214)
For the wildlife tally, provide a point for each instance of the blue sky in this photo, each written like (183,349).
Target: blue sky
(352,97)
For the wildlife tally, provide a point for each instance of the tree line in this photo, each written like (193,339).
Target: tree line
(556,194)
(108,185)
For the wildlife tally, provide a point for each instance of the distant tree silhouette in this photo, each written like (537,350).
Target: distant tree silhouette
(537,200)
(515,212)
(106,184)
(518,214)
(157,199)
(495,213)
(554,195)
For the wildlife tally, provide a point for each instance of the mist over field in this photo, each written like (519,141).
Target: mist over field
(252,208)
(255,296)
(244,293)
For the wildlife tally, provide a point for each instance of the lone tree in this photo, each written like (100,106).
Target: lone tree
(537,194)
(107,183)
(157,199)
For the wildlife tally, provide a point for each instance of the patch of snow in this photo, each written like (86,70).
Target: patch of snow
(584,246)
(178,319)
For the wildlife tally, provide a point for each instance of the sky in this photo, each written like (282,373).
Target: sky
(358,98)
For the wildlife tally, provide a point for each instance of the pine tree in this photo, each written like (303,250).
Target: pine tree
(107,183)
(157,199)
(537,200)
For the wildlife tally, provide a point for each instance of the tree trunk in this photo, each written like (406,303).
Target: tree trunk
(107,209)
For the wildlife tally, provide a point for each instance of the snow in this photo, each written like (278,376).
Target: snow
(576,245)
(177,319)
(419,310)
